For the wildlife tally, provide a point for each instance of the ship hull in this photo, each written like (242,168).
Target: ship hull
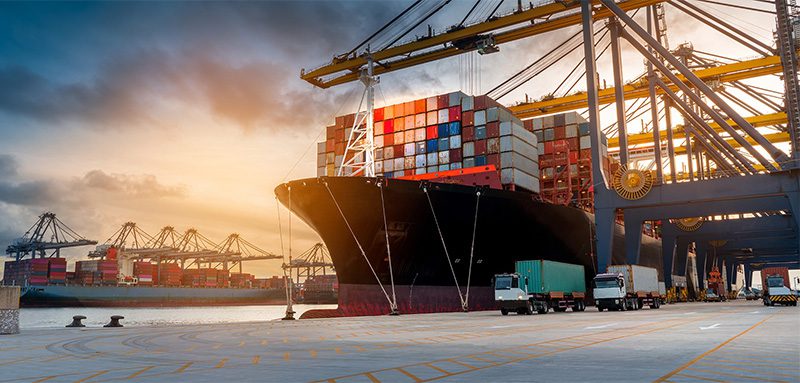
(508,227)
(137,296)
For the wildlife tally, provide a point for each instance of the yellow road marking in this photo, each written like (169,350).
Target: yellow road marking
(256,359)
(241,344)
(734,375)
(471,367)
(750,370)
(313,353)
(216,347)
(285,340)
(221,363)
(699,377)
(442,370)
(359,348)
(338,350)
(96,374)
(287,356)
(410,375)
(137,373)
(264,342)
(372,378)
(184,367)
(703,355)
(770,363)
(45,379)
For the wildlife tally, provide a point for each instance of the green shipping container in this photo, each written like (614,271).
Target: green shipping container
(547,276)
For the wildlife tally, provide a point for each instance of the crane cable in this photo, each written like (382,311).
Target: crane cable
(393,303)
(472,248)
(360,248)
(446,253)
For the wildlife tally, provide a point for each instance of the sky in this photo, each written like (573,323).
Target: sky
(190,113)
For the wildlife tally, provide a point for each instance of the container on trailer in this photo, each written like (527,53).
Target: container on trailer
(637,278)
(545,276)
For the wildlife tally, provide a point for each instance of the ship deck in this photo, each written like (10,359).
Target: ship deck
(689,342)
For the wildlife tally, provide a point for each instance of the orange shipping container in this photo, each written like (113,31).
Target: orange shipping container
(388,112)
(419,106)
(408,107)
(399,110)
(399,124)
(431,104)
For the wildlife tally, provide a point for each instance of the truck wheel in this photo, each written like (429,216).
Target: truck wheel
(504,311)
(529,309)
(600,309)
(623,306)
(583,306)
(658,304)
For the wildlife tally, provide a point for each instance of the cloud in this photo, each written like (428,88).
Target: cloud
(8,166)
(146,185)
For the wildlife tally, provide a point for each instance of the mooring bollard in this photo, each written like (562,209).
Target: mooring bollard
(115,321)
(76,321)
(9,310)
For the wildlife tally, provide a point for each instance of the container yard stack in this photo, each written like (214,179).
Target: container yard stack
(223,278)
(57,271)
(320,289)
(39,268)
(565,158)
(169,274)
(17,273)
(244,280)
(143,271)
(443,133)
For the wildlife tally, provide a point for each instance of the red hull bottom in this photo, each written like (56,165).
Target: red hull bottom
(363,300)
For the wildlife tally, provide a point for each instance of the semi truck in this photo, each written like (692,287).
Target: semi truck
(626,287)
(775,283)
(540,285)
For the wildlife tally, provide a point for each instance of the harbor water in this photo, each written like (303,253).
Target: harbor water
(37,318)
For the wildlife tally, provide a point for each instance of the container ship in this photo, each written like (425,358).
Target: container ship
(463,190)
(46,283)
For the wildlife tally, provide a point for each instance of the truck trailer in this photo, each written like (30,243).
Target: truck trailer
(540,285)
(627,287)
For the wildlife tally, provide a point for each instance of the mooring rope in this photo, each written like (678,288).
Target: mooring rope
(388,249)
(446,253)
(472,248)
(361,249)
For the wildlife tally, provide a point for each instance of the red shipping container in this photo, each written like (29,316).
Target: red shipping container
(560,132)
(388,126)
(432,132)
(408,172)
(398,151)
(560,146)
(443,101)
(468,118)
(548,147)
(480,102)
(340,122)
(767,271)
(455,155)
(388,140)
(586,153)
(546,161)
(493,129)
(419,106)
(339,150)
(455,113)
(480,147)
(493,159)
(349,120)
(574,144)
(468,133)
(330,145)
(378,114)
(528,125)
(330,132)
(339,135)
(573,157)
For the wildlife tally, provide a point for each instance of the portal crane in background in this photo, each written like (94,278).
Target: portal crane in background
(48,234)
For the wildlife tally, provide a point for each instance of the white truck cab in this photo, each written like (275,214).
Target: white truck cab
(776,292)
(511,295)
(609,291)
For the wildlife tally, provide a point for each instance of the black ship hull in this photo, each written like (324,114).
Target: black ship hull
(511,226)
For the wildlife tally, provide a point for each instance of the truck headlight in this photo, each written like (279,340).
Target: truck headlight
(519,297)
(616,301)
(499,298)
(597,302)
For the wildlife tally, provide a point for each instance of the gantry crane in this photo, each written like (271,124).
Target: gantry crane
(48,234)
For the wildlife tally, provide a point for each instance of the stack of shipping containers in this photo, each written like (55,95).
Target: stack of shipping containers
(97,272)
(169,274)
(565,158)
(143,271)
(57,272)
(442,133)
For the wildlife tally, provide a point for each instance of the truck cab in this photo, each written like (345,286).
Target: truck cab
(511,295)
(776,292)
(609,292)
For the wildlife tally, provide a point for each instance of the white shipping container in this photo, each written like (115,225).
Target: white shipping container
(455,165)
(321,172)
(444,157)
(455,98)
(321,147)
(432,169)
(408,149)
(537,124)
(420,161)
(469,162)
(321,158)
(637,278)
(572,131)
(492,114)
(444,168)
(433,159)
(420,171)
(338,161)
(516,144)
(479,117)
(518,161)
(455,141)
(388,165)
(586,142)
(540,148)
(520,179)
(444,115)
(378,166)
(399,164)
(469,149)
(419,134)
(329,158)
(571,118)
